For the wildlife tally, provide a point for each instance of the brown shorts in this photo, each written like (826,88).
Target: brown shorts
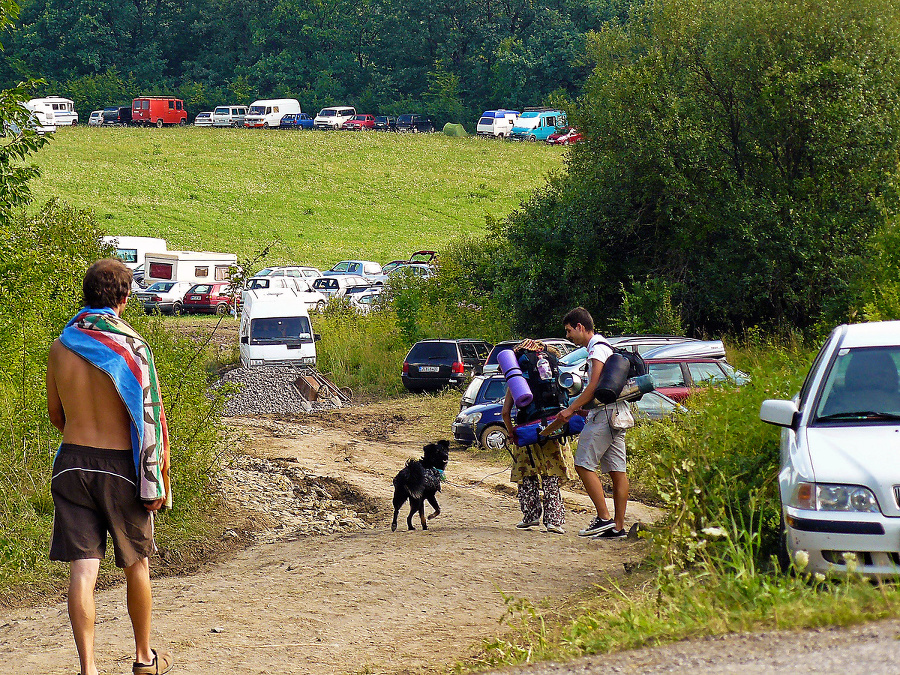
(94,493)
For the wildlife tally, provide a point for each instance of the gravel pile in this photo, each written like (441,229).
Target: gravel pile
(265,390)
(290,502)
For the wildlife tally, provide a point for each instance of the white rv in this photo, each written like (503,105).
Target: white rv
(133,249)
(333,118)
(496,123)
(275,331)
(195,266)
(54,111)
(267,113)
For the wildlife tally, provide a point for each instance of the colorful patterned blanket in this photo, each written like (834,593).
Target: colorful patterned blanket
(106,341)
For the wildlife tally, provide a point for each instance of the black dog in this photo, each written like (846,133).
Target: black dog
(419,480)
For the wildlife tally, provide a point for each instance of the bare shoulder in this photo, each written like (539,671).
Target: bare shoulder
(56,349)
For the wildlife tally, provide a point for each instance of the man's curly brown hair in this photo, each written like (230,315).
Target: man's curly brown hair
(107,283)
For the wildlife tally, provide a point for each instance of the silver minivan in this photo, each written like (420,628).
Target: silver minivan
(229,116)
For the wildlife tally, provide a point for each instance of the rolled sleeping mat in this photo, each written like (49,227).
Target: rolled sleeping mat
(518,385)
(612,379)
(636,387)
(528,434)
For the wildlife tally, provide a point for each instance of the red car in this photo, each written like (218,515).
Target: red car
(360,123)
(212,298)
(566,137)
(677,378)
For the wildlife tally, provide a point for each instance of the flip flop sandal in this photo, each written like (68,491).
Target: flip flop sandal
(162,662)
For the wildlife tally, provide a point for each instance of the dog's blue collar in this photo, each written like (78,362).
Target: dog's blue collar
(439,472)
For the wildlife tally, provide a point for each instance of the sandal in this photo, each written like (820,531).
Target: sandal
(162,662)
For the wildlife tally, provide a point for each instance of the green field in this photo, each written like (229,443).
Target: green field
(319,197)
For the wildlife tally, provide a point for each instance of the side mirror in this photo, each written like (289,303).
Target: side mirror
(779,413)
(316,337)
(245,339)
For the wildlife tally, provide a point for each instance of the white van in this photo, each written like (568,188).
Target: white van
(196,266)
(496,123)
(54,110)
(133,249)
(333,118)
(276,331)
(288,287)
(267,113)
(229,116)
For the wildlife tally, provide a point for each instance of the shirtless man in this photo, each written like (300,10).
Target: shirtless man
(93,483)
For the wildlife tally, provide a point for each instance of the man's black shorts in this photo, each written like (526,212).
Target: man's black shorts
(94,493)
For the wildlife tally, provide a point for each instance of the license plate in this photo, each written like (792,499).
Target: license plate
(195,297)
(429,369)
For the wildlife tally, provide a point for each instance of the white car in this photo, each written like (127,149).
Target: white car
(288,286)
(203,119)
(840,477)
(364,302)
(96,118)
(289,271)
(338,285)
(166,297)
(333,118)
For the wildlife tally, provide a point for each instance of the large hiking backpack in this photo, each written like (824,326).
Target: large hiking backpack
(541,369)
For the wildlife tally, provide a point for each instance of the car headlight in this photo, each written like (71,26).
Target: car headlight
(830,497)
(470,418)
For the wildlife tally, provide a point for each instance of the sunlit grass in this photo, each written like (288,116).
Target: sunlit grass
(322,196)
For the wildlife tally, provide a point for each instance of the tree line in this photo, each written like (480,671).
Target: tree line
(449,59)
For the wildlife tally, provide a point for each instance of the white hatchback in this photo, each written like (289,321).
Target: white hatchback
(840,454)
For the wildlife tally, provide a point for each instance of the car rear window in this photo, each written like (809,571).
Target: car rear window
(433,351)
(201,288)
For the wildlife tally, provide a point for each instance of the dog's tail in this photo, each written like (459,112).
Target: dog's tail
(415,478)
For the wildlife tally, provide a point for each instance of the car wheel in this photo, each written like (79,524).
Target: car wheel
(159,124)
(177,309)
(565,142)
(182,123)
(265,125)
(221,309)
(532,139)
(494,437)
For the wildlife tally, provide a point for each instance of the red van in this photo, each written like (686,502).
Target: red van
(158,110)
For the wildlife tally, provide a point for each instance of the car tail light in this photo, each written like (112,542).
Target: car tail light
(155,298)
(405,368)
(458,368)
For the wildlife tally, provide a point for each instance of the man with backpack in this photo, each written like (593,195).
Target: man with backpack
(601,444)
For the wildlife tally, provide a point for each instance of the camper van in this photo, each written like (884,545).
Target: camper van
(195,266)
(333,118)
(536,124)
(496,123)
(275,331)
(133,249)
(267,113)
(54,111)
(158,110)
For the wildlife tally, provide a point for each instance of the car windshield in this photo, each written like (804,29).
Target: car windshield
(473,389)
(161,286)
(574,357)
(862,385)
(341,267)
(255,284)
(495,389)
(280,330)
(257,110)
(486,121)
(220,111)
(327,112)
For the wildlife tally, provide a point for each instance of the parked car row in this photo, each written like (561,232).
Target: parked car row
(184,297)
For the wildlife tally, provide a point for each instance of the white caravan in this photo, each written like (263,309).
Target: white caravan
(267,113)
(54,111)
(133,249)
(275,331)
(195,266)
(496,122)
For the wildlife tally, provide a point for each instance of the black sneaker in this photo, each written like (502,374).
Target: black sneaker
(612,533)
(597,526)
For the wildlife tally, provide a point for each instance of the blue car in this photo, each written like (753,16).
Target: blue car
(296,121)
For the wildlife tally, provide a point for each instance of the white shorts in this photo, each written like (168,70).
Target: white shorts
(600,446)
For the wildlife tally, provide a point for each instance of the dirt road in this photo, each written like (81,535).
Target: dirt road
(364,601)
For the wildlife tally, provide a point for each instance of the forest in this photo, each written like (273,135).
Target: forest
(448,59)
